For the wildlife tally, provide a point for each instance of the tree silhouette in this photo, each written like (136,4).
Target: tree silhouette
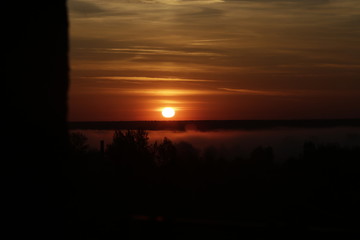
(131,152)
(210,155)
(187,154)
(128,144)
(78,143)
(164,152)
(262,156)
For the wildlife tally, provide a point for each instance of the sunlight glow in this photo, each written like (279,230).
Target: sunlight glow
(168,112)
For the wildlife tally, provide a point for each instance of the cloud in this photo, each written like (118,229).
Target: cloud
(148,51)
(340,66)
(247,43)
(181,2)
(294,92)
(147,79)
(285,1)
(169,92)
(84,7)
(259,92)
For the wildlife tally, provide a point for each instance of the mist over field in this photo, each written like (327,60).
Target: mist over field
(231,144)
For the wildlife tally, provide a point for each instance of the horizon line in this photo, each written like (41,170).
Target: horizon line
(214,120)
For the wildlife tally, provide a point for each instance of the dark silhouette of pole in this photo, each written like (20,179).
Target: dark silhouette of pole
(102,148)
(36,77)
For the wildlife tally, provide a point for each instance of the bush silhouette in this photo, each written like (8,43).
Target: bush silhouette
(262,156)
(129,145)
(78,143)
(164,153)
(131,156)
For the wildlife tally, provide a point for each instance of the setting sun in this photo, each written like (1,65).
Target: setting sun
(168,112)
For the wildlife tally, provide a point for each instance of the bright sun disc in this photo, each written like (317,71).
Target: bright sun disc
(168,112)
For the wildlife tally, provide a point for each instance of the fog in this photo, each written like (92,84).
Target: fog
(235,143)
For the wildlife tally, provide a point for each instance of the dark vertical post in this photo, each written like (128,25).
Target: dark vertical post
(102,147)
(36,77)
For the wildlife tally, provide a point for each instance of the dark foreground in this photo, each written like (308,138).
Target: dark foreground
(134,190)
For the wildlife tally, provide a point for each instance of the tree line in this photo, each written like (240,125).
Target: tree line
(132,176)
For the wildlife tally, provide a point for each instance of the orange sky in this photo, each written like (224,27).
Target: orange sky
(214,59)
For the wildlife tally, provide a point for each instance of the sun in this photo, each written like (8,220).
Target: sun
(168,112)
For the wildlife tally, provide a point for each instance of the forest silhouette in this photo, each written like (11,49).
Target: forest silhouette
(164,185)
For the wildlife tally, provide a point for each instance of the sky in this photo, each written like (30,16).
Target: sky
(214,59)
